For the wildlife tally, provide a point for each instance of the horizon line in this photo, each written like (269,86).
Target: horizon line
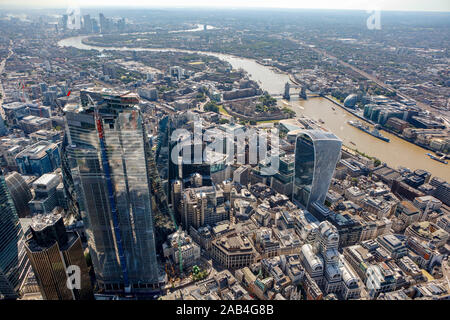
(18,7)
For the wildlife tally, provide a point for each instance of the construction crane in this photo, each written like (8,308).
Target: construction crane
(111,197)
(24,95)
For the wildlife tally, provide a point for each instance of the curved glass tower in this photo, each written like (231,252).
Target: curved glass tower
(316,155)
(14,264)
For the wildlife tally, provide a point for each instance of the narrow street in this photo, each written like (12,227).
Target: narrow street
(2,67)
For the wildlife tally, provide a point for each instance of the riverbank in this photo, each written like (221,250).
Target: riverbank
(396,153)
(348,110)
(426,148)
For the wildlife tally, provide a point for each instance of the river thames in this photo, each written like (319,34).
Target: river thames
(395,153)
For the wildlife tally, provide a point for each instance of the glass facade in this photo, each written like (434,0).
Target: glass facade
(20,193)
(316,155)
(126,148)
(14,264)
(69,196)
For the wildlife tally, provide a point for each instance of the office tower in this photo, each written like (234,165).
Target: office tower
(201,207)
(95,27)
(14,264)
(121,25)
(177,187)
(20,193)
(442,191)
(316,155)
(103,23)
(64,20)
(52,251)
(328,244)
(50,98)
(87,23)
(282,180)
(108,154)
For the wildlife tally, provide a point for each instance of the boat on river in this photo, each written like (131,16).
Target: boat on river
(374,132)
(441,160)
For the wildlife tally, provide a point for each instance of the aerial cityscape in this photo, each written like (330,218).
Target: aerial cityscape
(233,153)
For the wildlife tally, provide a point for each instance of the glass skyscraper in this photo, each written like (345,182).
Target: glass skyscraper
(316,155)
(108,158)
(14,264)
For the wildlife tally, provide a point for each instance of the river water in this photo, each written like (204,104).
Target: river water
(395,153)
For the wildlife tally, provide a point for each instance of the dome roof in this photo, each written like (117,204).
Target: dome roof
(328,231)
(351,100)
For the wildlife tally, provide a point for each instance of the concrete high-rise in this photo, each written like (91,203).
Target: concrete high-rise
(14,264)
(108,154)
(316,155)
(52,252)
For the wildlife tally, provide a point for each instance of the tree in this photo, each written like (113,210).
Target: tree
(88,258)
(290,112)
(198,274)
(211,106)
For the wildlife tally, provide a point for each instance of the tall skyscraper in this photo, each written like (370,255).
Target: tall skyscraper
(108,154)
(14,264)
(52,251)
(316,155)
(63,21)
(87,23)
(103,23)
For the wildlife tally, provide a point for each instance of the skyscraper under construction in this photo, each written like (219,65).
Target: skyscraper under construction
(108,155)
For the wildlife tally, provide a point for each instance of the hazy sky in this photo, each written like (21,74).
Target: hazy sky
(415,5)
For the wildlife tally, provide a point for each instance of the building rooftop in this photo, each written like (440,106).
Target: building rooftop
(46,179)
(40,221)
(317,135)
(37,150)
(234,244)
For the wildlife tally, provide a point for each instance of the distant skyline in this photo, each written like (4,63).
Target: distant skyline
(388,5)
